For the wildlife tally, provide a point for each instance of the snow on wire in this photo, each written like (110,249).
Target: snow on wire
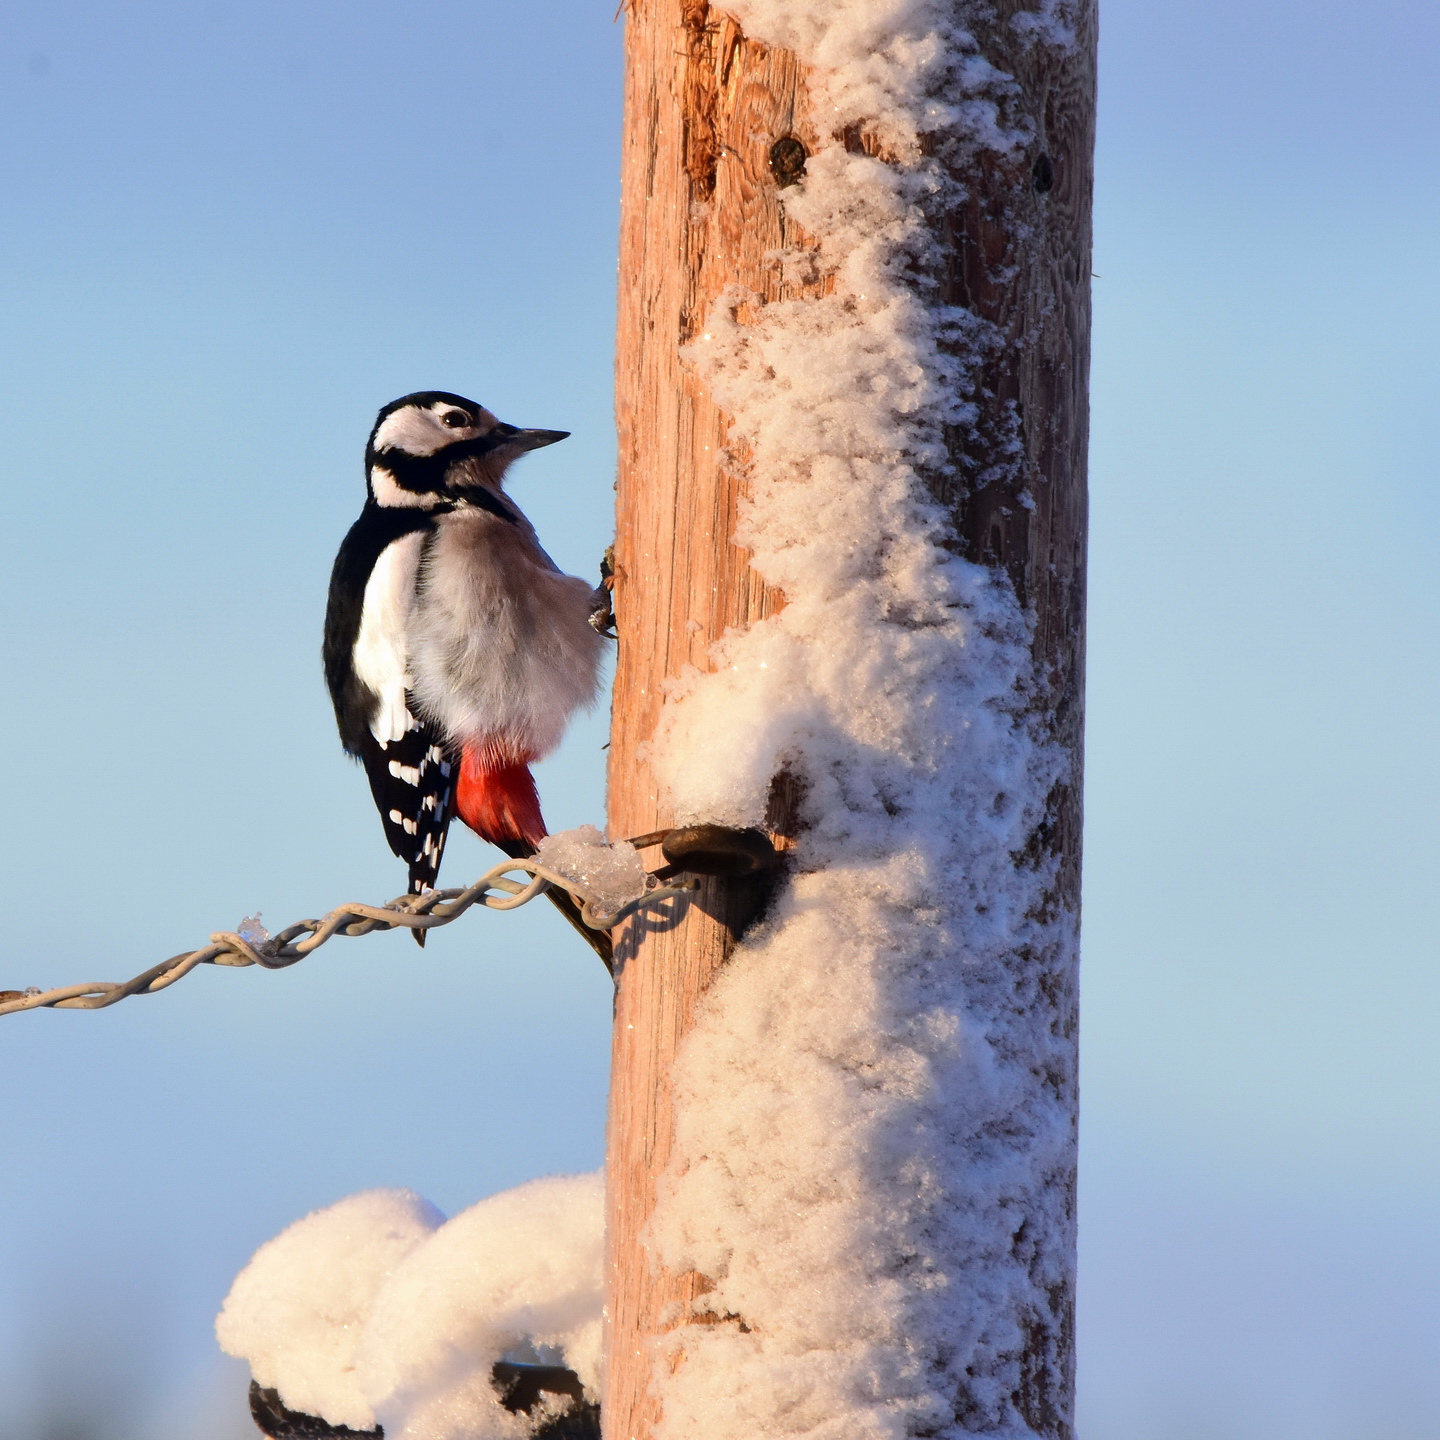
(251,945)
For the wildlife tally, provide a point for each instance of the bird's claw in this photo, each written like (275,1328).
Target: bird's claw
(602,598)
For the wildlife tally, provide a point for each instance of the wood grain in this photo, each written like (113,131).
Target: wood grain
(701,211)
(704,106)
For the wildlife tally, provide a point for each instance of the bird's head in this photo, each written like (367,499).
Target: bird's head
(429,448)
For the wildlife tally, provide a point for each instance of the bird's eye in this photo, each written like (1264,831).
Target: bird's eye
(455,419)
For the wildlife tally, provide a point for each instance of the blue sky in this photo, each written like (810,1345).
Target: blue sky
(232,231)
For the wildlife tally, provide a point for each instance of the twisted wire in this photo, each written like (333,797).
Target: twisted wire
(408,912)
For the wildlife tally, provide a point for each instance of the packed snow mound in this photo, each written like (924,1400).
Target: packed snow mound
(517,1276)
(377,1311)
(295,1312)
(613,874)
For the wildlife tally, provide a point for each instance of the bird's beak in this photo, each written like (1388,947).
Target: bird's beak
(534,439)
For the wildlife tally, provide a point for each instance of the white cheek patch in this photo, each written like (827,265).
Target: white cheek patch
(380,655)
(419,431)
(413,430)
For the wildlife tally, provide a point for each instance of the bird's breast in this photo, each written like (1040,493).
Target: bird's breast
(501,649)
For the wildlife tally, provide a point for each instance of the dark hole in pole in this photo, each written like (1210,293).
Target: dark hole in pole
(787,161)
(1042,173)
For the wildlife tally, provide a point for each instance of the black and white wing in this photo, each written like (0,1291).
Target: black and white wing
(411,771)
(412,779)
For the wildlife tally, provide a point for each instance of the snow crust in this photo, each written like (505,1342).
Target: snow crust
(614,874)
(295,1312)
(874,1139)
(377,1310)
(518,1272)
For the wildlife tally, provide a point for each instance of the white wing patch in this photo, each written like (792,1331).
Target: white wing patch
(381,648)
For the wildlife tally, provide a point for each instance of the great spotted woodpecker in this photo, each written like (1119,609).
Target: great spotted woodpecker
(455,650)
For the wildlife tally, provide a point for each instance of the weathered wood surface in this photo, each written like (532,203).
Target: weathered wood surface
(700,212)
(704,108)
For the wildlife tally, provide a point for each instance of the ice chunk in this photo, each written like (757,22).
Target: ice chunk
(613,874)
(253,933)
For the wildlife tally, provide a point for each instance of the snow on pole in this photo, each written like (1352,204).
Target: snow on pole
(850,584)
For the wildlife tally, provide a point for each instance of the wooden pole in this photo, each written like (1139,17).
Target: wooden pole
(700,211)
(711,121)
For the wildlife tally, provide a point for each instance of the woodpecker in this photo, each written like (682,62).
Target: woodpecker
(455,651)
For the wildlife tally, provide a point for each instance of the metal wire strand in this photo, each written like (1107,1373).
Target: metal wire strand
(494,890)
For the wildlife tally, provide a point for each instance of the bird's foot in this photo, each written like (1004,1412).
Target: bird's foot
(602,598)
